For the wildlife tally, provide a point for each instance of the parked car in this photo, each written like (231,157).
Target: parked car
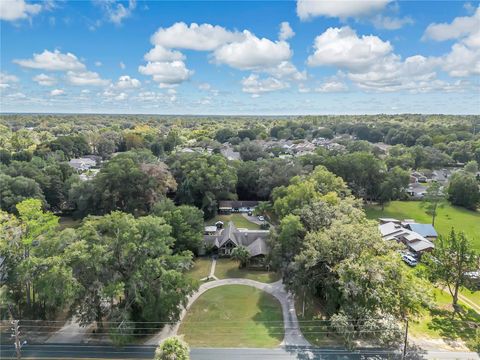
(261,218)
(473,280)
(410,260)
(250,213)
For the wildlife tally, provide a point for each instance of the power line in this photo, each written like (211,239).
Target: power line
(209,321)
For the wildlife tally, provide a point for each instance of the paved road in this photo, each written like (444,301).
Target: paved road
(99,352)
(293,335)
(253,219)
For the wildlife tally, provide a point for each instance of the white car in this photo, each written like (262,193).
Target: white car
(410,260)
(261,218)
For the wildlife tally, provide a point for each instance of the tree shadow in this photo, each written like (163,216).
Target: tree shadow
(270,316)
(336,353)
(461,325)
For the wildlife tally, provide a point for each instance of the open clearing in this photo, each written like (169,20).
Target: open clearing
(440,321)
(238,220)
(449,216)
(234,316)
(227,268)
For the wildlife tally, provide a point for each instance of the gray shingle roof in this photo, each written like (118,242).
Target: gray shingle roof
(254,240)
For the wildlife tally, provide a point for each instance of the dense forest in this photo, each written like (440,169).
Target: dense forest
(35,150)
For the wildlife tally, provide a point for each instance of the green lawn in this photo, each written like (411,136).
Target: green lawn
(473,296)
(440,322)
(449,216)
(201,268)
(238,220)
(234,316)
(227,268)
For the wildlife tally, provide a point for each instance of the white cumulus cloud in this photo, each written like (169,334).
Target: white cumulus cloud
(166,73)
(45,80)
(253,53)
(160,53)
(464,57)
(286,31)
(57,92)
(307,9)
(86,78)
(253,84)
(126,82)
(332,86)
(343,48)
(52,61)
(11,10)
(391,23)
(459,27)
(115,11)
(204,37)
(286,70)
(6,79)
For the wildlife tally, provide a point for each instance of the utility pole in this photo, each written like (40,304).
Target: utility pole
(406,341)
(16,335)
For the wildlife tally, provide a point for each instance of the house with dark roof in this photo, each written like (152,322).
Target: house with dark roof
(224,240)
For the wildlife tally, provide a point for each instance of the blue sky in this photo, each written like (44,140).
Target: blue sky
(249,57)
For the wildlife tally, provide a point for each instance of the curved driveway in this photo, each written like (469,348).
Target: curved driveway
(293,335)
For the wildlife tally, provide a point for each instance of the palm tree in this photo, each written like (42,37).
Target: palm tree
(242,255)
(172,348)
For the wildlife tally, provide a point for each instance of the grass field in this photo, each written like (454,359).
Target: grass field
(449,216)
(471,295)
(227,268)
(440,322)
(201,268)
(238,220)
(234,316)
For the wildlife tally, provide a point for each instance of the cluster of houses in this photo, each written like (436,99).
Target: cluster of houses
(281,147)
(290,148)
(418,238)
(419,181)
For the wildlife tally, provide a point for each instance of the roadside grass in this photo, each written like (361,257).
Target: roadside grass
(200,269)
(228,268)
(473,296)
(440,321)
(448,216)
(238,220)
(234,316)
(314,330)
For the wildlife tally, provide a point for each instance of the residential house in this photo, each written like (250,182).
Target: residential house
(224,240)
(402,232)
(416,190)
(418,177)
(82,164)
(229,153)
(426,230)
(236,206)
